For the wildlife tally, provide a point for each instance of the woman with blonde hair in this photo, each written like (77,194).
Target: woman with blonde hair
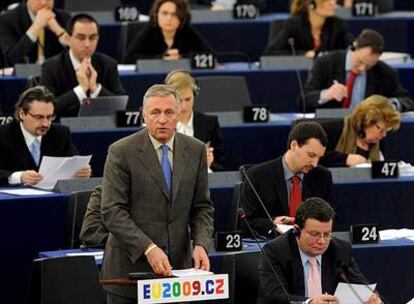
(312,28)
(201,126)
(362,132)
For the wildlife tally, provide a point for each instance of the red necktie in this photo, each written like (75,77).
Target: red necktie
(295,195)
(349,87)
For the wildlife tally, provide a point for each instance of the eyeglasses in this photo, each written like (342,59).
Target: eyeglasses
(42,117)
(318,235)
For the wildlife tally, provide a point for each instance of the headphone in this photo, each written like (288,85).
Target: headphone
(195,86)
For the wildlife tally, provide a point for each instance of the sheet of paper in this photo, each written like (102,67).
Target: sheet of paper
(284,228)
(189,272)
(24,191)
(347,296)
(394,234)
(98,255)
(55,168)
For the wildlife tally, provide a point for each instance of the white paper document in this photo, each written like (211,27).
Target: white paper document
(189,272)
(283,227)
(394,234)
(55,168)
(348,296)
(98,255)
(25,191)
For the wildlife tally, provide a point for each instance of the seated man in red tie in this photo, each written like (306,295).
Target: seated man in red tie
(308,261)
(342,79)
(283,182)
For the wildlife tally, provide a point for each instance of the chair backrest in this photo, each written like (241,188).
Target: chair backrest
(274,29)
(65,280)
(129,30)
(77,204)
(222,93)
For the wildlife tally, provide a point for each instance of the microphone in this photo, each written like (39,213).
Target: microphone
(242,216)
(242,170)
(32,79)
(291,42)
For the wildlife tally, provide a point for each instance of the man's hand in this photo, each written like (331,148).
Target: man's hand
(354,159)
(85,172)
(310,54)
(172,54)
(325,299)
(42,18)
(210,156)
(93,75)
(30,177)
(374,299)
(82,74)
(55,27)
(159,263)
(200,258)
(287,220)
(337,92)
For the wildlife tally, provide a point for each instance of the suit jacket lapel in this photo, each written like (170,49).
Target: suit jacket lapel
(71,73)
(180,156)
(150,162)
(280,185)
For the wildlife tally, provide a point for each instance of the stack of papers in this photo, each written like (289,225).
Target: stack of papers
(394,234)
(349,293)
(189,272)
(24,191)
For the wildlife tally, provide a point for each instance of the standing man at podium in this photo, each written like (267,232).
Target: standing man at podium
(155,198)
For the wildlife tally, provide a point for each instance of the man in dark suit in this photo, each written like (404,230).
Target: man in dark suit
(32,135)
(32,32)
(345,78)
(283,182)
(308,261)
(155,197)
(80,72)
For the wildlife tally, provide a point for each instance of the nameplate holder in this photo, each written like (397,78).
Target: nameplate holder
(128,119)
(245,10)
(203,61)
(228,241)
(364,234)
(5,119)
(384,169)
(364,8)
(183,289)
(126,13)
(256,114)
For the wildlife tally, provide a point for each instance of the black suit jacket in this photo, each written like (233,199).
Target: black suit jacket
(59,76)
(269,180)
(334,36)
(381,79)
(207,129)
(15,155)
(283,253)
(150,43)
(17,46)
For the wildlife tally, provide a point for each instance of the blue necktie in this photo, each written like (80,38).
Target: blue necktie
(166,168)
(35,151)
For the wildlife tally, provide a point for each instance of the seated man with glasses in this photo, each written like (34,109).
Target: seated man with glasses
(32,135)
(80,72)
(308,260)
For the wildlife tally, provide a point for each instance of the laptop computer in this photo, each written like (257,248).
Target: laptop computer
(103,106)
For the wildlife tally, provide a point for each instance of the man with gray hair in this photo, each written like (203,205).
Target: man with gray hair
(155,198)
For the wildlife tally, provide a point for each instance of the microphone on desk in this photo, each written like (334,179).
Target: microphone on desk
(242,216)
(33,79)
(342,270)
(242,170)
(291,42)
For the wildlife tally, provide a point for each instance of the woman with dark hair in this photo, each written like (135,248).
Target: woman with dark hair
(314,29)
(168,35)
(357,139)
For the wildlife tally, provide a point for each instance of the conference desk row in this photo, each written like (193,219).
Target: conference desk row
(276,88)
(392,258)
(32,224)
(243,143)
(250,36)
